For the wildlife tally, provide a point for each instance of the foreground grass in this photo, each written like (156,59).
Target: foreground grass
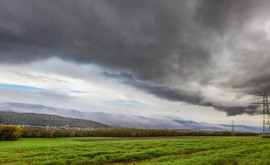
(213,150)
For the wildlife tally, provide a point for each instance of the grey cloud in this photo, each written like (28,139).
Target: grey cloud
(177,95)
(222,15)
(160,91)
(169,44)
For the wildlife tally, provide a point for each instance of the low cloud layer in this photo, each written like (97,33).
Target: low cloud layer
(208,53)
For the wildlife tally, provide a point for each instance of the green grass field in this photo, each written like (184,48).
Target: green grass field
(185,150)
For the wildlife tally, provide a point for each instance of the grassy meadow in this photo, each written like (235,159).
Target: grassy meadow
(185,150)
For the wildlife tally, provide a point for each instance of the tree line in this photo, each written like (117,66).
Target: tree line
(14,132)
(121,132)
(125,132)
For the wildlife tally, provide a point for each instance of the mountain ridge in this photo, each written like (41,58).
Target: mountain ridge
(121,120)
(43,120)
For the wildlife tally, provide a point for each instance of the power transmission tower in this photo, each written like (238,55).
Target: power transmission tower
(233,130)
(265,109)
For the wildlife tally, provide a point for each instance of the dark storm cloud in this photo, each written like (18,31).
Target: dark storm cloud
(157,41)
(221,15)
(119,34)
(176,95)
(160,91)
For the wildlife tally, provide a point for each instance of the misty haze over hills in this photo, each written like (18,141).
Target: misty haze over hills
(121,120)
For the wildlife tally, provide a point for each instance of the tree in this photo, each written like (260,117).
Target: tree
(9,132)
(1,119)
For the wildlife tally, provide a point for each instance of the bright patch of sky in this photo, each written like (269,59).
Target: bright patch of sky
(123,102)
(23,88)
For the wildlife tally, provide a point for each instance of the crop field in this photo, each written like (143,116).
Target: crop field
(179,150)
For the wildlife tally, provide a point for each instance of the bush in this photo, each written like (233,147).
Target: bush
(9,132)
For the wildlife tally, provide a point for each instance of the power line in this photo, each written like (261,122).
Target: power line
(265,110)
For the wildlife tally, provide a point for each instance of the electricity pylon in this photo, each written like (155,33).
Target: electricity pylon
(233,130)
(266,114)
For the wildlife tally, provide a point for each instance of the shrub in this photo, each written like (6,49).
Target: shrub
(53,134)
(9,132)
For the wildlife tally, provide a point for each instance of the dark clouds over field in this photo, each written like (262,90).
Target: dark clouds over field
(174,49)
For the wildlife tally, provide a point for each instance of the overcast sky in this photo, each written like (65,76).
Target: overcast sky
(200,60)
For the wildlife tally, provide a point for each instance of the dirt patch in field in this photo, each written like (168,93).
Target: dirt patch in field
(135,138)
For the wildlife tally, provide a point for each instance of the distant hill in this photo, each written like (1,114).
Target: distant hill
(124,120)
(35,119)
